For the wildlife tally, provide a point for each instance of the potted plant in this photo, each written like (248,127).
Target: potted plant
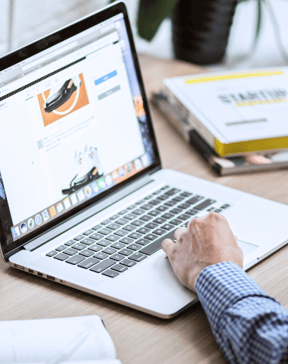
(200,28)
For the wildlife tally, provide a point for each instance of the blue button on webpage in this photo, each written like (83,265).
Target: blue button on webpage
(105,78)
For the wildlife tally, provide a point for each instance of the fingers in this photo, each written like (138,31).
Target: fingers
(179,232)
(167,246)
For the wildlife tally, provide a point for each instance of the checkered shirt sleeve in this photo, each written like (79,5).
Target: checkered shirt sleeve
(249,326)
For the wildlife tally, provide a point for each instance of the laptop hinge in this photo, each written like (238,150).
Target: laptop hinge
(86,214)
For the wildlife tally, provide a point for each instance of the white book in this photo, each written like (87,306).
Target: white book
(235,112)
(75,340)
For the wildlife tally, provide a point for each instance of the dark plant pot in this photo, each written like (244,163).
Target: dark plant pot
(200,29)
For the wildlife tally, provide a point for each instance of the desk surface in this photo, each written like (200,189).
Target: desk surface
(140,338)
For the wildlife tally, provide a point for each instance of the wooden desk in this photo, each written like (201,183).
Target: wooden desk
(140,338)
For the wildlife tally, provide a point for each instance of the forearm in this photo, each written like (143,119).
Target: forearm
(249,326)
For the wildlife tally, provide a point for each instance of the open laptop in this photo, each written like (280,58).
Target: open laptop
(83,199)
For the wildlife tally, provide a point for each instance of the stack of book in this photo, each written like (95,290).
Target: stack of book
(237,121)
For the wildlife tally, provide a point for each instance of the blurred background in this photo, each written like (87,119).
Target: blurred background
(23,21)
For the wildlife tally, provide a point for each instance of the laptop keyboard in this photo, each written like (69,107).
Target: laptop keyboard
(118,243)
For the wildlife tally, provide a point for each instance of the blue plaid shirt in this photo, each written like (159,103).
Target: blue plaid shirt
(249,326)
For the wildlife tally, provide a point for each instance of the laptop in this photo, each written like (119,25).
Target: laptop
(84,201)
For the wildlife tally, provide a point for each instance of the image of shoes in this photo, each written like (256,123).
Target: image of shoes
(58,97)
(86,168)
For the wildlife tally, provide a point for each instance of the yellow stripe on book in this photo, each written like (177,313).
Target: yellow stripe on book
(233,76)
(259,102)
(250,146)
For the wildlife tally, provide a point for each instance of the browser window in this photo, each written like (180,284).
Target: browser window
(74,125)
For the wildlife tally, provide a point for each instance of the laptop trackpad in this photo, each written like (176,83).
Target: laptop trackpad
(247,248)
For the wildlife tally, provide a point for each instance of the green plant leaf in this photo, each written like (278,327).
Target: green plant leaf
(151,14)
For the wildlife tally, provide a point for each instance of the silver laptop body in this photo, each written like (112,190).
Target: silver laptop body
(83,199)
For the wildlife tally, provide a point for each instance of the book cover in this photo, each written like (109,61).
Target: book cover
(234,112)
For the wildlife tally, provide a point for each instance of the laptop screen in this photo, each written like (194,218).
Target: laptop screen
(74,126)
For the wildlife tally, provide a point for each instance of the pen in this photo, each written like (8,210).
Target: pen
(69,349)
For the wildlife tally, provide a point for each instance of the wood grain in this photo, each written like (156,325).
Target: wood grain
(140,338)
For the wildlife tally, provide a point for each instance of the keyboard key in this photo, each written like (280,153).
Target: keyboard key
(88,263)
(183,217)
(121,232)
(159,232)
(155,202)
(105,222)
(117,257)
(138,212)
(164,188)
(130,216)
(186,194)
(162,208)
(211,209)
(96,236)
(147,207)
(118,245)
(167,227)
(138,257)
(178,199)
(109,250)
(194,199)
(184,206)
(225,206)
(87,241)
(114,226)
(75,260)
(135,235)
(70,251)
(122,221)
(61,256)
(129,227)
(175,222)
(159,220)
(88,232)
(204,204)
(125,252)
(104,242)
(191,212)
(131,207)
(138,222)
(110,273)
(128,263)
(95,248)
(176,211)
(217,210)
(101,256)
(151,237)
(86,253)
(134,247)
(79,246)
(170,203)
(143,230)
(168,215)
(154,213)
(148,197)
(151,225)
(123,212)
(146,218)
(172,192)
(163,197)
(143,242)
(114,217)
(97,227)
(98,268)
(79,237)
(104,231)
(52,253)
(156,245)
(61,248)
(139,202)
(70,242)
(119,268)
(112,238)
(126,240)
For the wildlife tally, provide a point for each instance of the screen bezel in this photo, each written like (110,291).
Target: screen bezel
(52,40)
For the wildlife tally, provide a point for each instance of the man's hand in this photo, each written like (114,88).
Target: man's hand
(207,240)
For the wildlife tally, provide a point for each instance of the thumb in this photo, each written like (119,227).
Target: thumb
(167,246)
